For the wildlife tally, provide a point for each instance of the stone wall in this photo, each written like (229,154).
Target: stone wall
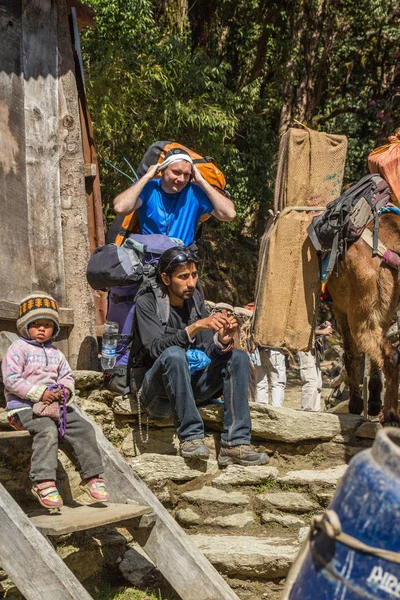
(249,521)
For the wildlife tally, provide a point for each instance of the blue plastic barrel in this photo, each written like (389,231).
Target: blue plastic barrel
(367,503)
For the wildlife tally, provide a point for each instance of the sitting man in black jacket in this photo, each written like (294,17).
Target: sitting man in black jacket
(173,383)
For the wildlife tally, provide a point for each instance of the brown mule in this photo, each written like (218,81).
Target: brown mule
(365,295)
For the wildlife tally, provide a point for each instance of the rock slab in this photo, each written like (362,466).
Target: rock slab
(247,556)
(210,495)
(158,468)
(289,425)
(324,477)
(288,501)
(238,475)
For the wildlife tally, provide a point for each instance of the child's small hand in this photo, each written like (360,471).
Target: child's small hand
(48,396)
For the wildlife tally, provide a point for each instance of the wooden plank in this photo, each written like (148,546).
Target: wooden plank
(29,559)
(82,342)
(9,312)
(166,544)
(84,14)
(40,67)
(80,518)
(90,170)
(6,340)
(14,435)
(15,264)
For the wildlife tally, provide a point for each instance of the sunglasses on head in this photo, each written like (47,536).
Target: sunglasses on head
(181,259)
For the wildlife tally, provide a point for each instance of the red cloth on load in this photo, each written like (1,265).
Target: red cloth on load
(385,160)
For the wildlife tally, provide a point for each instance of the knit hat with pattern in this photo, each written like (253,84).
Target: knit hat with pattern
(37,305)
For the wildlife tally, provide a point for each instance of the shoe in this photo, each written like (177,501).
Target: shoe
(194,449)
(95,488)
(47,494)
(241,455)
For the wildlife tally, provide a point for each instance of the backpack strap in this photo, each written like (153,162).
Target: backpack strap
(162,302)
(376,233)
(313,237)
(196,306)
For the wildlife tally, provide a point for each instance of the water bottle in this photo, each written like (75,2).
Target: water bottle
(109,345)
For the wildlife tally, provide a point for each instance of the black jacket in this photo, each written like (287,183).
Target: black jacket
(151,337)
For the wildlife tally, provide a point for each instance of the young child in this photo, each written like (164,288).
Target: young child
(35,370)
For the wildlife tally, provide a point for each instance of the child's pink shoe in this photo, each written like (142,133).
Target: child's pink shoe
(47,494)
(95,488)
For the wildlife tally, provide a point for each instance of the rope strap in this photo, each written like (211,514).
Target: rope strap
(62,425)
(329,523)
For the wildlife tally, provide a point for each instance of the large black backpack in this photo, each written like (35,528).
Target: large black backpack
(344,219)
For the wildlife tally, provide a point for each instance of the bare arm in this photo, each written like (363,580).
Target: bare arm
(129,200)
(224,209)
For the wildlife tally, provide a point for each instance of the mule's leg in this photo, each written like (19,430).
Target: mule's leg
(371,339)
(389,414)
(374,390)
(351,359)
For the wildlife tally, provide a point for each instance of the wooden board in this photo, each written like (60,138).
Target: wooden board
(14,435)
(79,518)
(84,13)
(15,264)
(168,546)
(30,560)
(42,144)
(9,312)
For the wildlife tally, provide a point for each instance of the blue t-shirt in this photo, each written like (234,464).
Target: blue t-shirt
(174,215)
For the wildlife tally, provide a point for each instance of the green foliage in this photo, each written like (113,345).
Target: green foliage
(108,592)
(215,75)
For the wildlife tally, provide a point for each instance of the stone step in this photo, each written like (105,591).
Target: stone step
(234,521)
(236,475)
(290,521)
(210,495)
(70,519)
(249,556)
(158,468)
(287,502)
(314,478)
(289,425)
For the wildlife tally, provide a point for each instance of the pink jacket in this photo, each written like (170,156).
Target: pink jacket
(29,368)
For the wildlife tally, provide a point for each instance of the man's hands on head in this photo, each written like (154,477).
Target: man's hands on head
(129,200)
(223,324)
(197,176)
(152,171)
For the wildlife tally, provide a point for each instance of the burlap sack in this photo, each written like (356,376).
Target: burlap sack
(288,286)
(310,168)
(385,160)
(310,174)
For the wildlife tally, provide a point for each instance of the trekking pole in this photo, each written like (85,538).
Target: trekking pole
(119,171)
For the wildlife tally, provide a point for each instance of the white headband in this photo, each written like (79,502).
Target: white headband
(174,158)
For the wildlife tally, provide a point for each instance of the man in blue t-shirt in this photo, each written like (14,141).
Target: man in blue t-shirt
(173,204)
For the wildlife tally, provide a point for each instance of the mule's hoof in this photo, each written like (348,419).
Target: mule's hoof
(356,406)
(391,424)
(374,408)
(390,420)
